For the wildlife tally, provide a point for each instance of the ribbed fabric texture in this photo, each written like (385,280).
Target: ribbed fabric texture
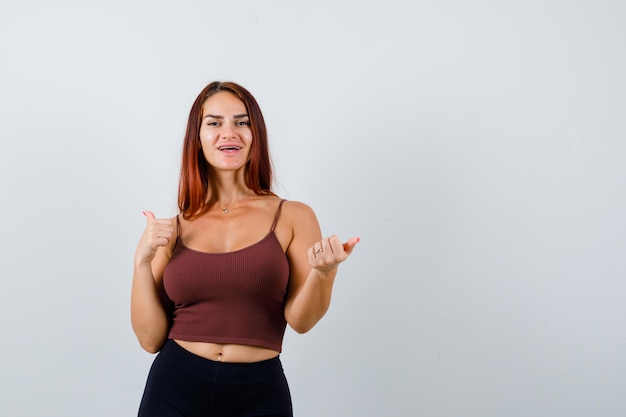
(235,297)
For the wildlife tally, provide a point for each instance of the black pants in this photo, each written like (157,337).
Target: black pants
(183,384)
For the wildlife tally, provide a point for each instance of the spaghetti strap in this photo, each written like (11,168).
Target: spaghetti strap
(178,227)
(280,206)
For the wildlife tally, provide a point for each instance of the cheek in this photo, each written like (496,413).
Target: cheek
(249,156)
(205,139)
(248,139)
(205,145)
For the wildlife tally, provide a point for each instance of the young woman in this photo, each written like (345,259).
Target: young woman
(214,287)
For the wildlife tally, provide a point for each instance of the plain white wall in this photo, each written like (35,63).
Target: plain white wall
(477,147)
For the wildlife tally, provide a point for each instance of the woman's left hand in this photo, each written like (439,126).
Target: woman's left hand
(328,253)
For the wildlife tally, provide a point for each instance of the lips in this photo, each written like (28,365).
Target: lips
(229,148)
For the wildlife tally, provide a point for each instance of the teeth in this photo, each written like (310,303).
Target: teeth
(222,148)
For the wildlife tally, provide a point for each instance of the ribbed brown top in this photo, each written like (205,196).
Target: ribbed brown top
(234,297)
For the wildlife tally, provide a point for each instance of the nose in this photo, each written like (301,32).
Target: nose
(227,132)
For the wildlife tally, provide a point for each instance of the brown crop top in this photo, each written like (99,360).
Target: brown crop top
(233,297)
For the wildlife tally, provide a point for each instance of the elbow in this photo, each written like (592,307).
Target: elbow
(150,338)
(151,343)
(302,323)
(301,327)
(150,347)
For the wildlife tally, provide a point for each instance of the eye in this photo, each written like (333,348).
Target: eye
(212,123)
(242,123)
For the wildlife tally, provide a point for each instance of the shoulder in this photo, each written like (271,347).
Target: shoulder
(301,217)
(304,229)
(298,210)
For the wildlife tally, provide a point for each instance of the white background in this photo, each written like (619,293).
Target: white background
(476,147)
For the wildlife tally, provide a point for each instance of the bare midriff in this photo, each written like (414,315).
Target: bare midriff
(228,352)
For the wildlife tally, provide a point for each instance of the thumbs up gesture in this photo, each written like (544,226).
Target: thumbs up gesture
(158,232)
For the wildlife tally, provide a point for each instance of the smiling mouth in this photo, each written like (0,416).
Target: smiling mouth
(229,148)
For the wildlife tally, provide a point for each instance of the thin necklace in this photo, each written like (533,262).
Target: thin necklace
(225,209)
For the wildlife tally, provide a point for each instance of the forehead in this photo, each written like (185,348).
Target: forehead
(223,104)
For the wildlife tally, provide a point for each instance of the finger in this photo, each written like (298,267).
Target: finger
(160,241)
(149,215)
(161,237)
(318,249)
(333,244)
(312,256)
(350,244)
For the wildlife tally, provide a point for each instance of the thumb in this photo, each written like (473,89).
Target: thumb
(350,244)
(149,215)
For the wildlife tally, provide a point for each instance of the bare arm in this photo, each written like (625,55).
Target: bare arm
(313,267)
(148,314)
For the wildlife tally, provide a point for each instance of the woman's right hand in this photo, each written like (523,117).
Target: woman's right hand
(158,232)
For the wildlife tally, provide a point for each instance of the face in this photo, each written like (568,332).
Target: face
(225,132)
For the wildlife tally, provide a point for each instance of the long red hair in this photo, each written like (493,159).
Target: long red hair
(195,179)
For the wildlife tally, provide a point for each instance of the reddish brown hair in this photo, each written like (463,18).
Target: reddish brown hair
(195,179)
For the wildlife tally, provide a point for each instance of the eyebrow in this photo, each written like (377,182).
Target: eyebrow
(215,116)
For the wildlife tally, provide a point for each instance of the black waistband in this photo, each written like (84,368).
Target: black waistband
(221,372)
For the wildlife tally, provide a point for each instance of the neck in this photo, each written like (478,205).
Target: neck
(227,188)
(226,200)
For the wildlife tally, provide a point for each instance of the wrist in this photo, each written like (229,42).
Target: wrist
(326,273)
(143,264)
